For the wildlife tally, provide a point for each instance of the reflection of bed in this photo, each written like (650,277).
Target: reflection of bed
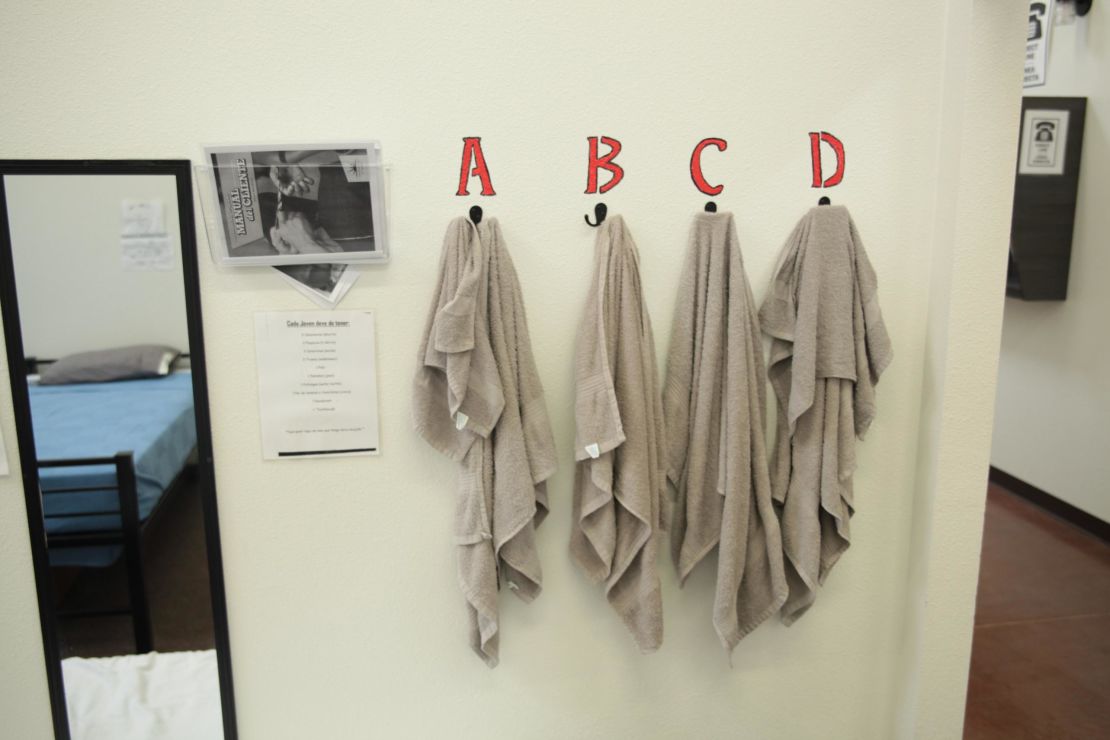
(107,453)
(169,696)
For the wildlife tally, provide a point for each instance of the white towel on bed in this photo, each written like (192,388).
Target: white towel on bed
(153,696)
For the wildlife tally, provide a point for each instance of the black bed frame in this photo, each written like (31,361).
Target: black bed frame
(128,534)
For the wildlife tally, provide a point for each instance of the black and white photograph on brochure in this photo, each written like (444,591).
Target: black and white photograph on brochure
(295,205)
(323,284)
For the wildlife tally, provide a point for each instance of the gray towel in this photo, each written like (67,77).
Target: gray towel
(477,399)
(714,401)
(828,350)
(619,476)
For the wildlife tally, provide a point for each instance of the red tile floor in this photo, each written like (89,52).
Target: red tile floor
(1040,660)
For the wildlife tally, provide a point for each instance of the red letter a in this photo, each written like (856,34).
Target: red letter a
(472,152)
(607,162)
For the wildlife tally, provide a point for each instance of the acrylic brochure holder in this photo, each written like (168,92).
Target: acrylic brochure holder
(259,214)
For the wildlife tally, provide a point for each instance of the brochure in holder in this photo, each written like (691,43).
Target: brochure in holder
(295,205)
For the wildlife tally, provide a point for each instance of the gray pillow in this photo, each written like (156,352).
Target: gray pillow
(121,363)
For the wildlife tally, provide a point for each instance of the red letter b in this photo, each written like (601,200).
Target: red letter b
(607,162)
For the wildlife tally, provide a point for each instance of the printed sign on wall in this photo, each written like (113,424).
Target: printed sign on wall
(318,395)
(1036,42)
(1044,142)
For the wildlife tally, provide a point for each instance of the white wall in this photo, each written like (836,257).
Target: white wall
(974,191)
(345,615)
(74,293)
(1052,418)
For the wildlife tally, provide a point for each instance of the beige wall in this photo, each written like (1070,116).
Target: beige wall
(1052,418)
(345,615)
(24,701)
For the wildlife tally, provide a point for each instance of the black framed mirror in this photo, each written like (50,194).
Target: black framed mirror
(102,316)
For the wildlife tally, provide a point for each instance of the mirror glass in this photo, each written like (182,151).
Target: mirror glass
(101,300)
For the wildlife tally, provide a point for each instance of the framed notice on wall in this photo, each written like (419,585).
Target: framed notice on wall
(1046,190)
(317,387)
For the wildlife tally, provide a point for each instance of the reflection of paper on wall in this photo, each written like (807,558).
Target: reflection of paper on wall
(144,254)
(142,217)
(317,388)
(1044,141)
(1064,14)
(4,469)
(325,285)
(1036,42)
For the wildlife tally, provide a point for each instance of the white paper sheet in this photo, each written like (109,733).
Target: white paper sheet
(142,217)
(146,253)
(317,387)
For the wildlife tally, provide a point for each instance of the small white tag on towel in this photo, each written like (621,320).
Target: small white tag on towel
(593,450)
(460,420)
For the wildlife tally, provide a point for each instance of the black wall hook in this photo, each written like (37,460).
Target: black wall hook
(600,212)
(824,201)
(476,214)
(710,207)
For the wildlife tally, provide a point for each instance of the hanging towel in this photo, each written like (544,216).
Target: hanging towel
(714,401)
(829,347)
(477,399)
(619,475)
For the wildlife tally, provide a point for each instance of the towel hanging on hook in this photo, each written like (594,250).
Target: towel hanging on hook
(829,346)
(477,399)
(714,404)
(619,452)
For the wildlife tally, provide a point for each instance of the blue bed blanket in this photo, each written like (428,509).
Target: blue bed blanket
(153,418)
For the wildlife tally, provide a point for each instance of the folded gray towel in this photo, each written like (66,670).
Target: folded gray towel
(619,476)
(714,401)
(828,350)
(477,399)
